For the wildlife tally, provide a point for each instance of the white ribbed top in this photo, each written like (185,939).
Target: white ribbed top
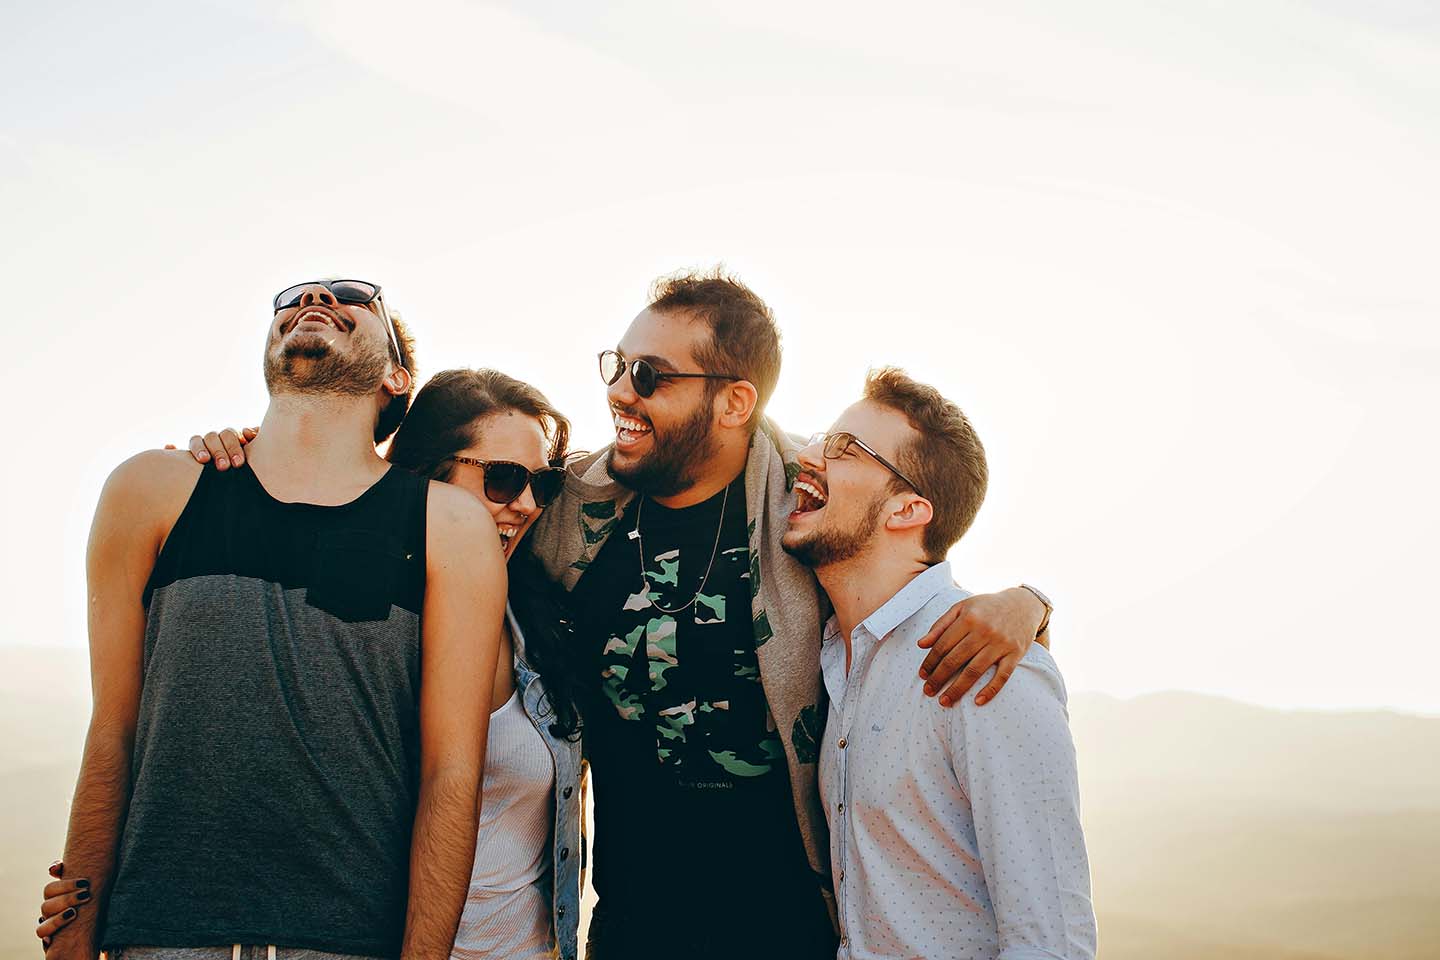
(507,911)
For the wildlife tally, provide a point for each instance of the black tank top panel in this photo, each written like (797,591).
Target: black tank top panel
(276,754)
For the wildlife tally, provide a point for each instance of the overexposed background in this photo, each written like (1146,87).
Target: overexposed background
(1177,261)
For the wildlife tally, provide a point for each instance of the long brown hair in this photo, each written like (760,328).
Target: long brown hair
(444,419)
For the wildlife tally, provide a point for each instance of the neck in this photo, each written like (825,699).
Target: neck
(320,442)
(859,586)
(727,463)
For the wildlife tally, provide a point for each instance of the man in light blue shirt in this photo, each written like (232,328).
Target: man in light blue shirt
(953,833)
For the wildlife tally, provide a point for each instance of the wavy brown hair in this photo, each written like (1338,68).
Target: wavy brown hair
(944,457)
(444,419)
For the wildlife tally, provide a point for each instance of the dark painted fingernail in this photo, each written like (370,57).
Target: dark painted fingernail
(69,914)
(82,896)
(82,884)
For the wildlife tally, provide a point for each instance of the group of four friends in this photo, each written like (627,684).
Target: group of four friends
(344,704)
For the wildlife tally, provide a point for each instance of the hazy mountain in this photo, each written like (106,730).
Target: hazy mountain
(1216,829)
(1219,829)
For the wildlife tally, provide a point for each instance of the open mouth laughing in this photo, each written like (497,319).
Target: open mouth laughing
(629,429)
(508,533)
(318,316)
(810,494)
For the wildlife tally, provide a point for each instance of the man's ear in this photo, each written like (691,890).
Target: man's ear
(915,511)
(737,403)
(397,381)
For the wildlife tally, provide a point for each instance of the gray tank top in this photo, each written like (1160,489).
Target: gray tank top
(277,748)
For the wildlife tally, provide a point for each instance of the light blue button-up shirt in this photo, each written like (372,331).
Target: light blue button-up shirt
(953,832)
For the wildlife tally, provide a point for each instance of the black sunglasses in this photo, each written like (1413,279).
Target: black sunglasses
(643,375)
(357,293)
(837,443)
(505,480)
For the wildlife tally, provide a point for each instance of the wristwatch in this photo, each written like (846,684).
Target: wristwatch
(1049,607)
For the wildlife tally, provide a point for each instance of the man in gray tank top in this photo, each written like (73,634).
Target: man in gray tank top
(291,670)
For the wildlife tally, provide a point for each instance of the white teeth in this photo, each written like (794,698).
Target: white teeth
(317,316)
(634,426)
(811,489)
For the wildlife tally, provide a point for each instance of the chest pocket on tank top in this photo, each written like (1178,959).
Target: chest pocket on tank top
(356,576)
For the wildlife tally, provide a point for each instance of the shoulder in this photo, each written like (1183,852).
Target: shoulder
(1033,698)
(450,508)
(458,527)
(153,480)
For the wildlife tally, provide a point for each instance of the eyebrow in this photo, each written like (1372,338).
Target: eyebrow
(653,359)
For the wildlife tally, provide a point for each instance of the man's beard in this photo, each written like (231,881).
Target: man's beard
(674,460)
(308,365)
(823,548)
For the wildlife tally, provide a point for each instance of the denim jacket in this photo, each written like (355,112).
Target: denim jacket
(567,849)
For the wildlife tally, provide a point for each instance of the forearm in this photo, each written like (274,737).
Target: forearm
(442,851)
(97,815)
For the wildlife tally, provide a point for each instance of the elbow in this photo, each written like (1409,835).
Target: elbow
(451,782)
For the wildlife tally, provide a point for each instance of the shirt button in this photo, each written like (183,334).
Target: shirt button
(842,876)
(560,910)
(564,853)
(841,744)
(568,792)
(840,808)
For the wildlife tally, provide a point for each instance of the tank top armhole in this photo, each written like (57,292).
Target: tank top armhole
(166,560)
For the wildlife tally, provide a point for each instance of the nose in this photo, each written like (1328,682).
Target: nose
(622,392)
(812,456)
(318,295)
(525,503)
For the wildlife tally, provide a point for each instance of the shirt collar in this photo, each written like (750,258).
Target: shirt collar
(908,600)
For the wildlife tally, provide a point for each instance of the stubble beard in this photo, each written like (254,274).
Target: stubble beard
(308,365)
(827,547)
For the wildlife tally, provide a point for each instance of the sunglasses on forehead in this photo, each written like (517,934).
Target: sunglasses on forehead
(356,293)
(835,445)
(643,375)
(505,480)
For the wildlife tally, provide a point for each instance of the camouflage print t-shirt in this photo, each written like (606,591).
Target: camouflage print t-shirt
(693,818)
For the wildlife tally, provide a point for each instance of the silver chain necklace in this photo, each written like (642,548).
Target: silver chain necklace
(645,577)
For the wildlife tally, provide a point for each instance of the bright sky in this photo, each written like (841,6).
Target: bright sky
(1177,262)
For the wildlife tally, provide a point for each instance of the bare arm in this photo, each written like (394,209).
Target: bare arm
(137,508)
(464,605)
